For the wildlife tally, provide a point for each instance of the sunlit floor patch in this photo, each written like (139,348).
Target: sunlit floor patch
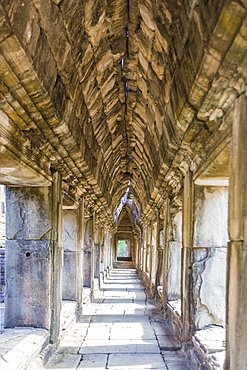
(122,330)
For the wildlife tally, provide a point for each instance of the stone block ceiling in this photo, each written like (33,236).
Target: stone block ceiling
(118,92)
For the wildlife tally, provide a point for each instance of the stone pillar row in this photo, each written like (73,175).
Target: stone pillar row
(73,247)
(197,250)
(34,256)
(51,253)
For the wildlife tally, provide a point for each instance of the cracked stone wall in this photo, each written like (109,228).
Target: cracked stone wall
(209,255)
(211,212)
(209,286)
(28,256)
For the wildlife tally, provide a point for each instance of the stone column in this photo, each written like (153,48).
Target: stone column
(136,250)
(102,255)
(236,329)
(165,252)
(87,255)
(139,252)
(93,251)
(115,247)
(141,246)
(79,262)
(102,247)
(110,251)
(33,257)
(154,248)
(105,249)
(96,251)
(147,262)
(160,245)
(56,255)
(144,242)
(187,241)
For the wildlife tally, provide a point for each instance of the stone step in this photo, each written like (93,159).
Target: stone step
(123,265)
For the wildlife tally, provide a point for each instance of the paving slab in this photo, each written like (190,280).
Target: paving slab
(69,347)
(64,361)
(118,318)
(95,361)
(122,331)
(95,333)
(135,331)
(135,361)
(119,301)
(162,329)
(178,365)
(175,360)
(19,347)
(100,325)
(168,342)
(119,346)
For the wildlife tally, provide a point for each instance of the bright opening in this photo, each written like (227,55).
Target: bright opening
(123,249)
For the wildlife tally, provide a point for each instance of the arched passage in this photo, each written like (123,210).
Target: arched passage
(139,99)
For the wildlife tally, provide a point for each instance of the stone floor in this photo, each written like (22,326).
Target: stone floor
(122,329)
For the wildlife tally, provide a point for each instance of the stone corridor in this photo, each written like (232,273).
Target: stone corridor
(123,138)
(121,329)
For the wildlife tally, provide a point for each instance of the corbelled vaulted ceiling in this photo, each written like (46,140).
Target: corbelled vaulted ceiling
(117,92)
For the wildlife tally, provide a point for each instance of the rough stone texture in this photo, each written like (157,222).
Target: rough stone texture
(213,289)
(19,347)
(138,94)
(211,216)
(28,289)
(70,230)
(28,269)
(28,213)
(209,286)
(174,270)
(187,239)
(173,317)
(209,347)
(69,275)
(70,254)
(176,224)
